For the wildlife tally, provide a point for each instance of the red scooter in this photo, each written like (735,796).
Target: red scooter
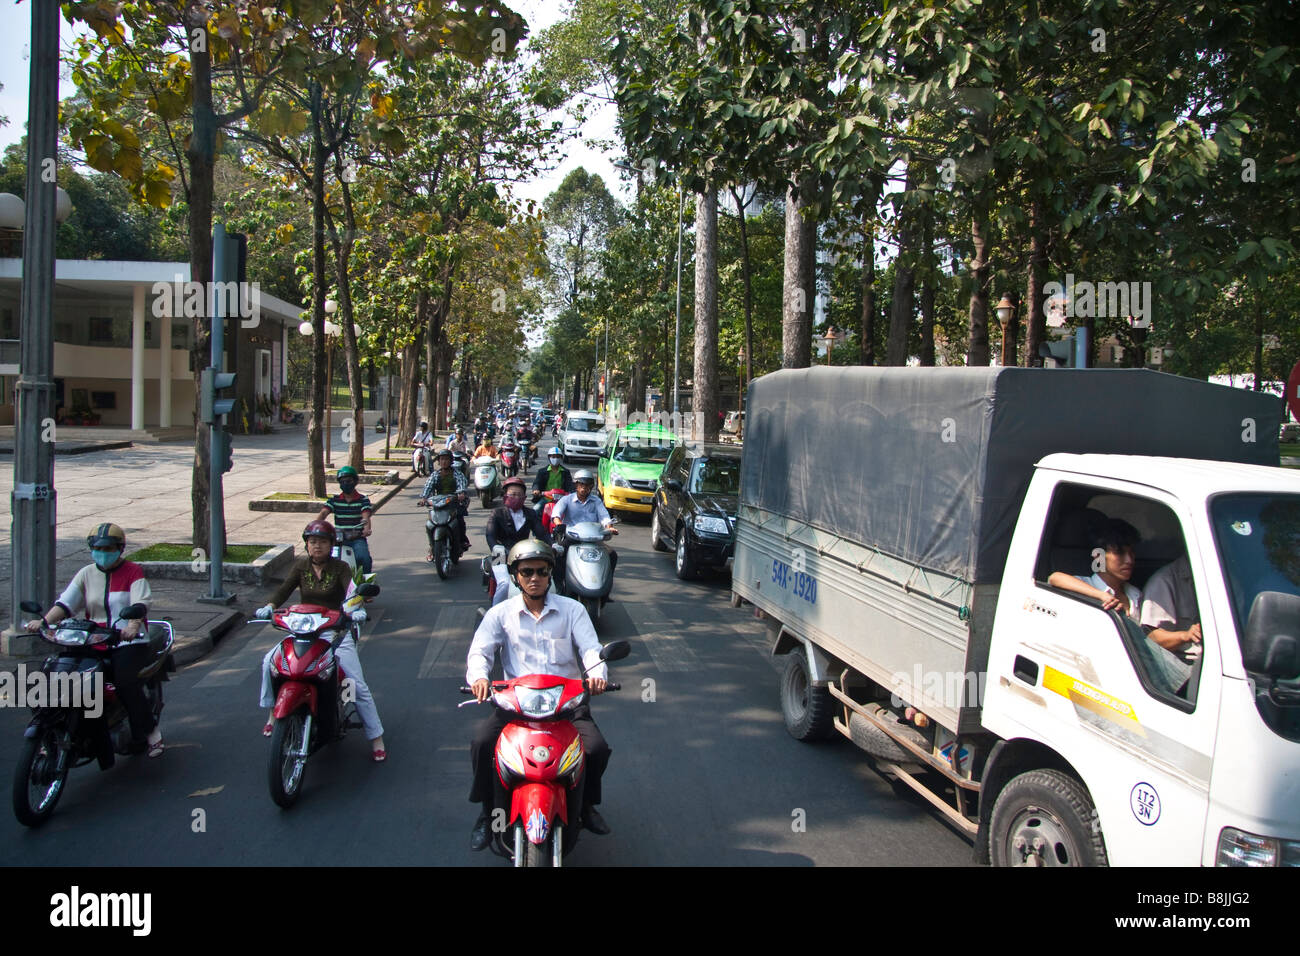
(510,458)
(550,498)
(539,760)
(311,706)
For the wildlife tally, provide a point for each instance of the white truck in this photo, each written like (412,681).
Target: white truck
(898,528)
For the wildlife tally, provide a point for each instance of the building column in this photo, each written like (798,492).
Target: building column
(165,372)
(137,358)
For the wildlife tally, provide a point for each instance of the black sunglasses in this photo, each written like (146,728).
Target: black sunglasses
(530,572)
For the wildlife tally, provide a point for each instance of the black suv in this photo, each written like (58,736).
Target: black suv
(695,503)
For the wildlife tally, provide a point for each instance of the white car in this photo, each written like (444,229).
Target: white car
(583,435)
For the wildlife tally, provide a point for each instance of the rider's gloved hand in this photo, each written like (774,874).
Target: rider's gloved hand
(264,612)
(358,615)
(499,554)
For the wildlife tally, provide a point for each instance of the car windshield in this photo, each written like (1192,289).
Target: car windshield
(584,425)
(643,449)
(716,476)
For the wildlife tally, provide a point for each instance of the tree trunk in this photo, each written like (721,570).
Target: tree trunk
(798,287)
(407,419)
(929,276)
(342,257)
(1259,340)
(315,443)
(200,155)
(747,278)
(977,355)
(1037,331)
(867,320)
(705,404)
(446,355)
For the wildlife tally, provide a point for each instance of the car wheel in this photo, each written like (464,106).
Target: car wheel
(685,562)
(656,532)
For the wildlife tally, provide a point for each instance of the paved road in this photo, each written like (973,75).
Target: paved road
(703,773)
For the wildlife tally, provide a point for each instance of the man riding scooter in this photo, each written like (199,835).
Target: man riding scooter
(351,511)
(538,630)
(552,475)
(421,441)
(446,481)
(580,506)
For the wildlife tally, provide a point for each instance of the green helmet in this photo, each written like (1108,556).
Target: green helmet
(347,471)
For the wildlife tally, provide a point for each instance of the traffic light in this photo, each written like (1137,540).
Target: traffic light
(225,449)
(210,405)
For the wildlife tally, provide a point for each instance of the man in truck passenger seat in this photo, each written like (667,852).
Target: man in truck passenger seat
(1169,616)
(1118,539)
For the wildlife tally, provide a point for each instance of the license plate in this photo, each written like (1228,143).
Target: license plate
(648,500)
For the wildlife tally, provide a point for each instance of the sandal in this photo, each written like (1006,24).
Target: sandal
(266,731)
(156,749)
(429,557)
(378,756)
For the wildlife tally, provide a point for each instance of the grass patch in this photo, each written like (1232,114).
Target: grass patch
(235,553)
(293,496)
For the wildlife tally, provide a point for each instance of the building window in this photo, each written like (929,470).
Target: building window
(101,330)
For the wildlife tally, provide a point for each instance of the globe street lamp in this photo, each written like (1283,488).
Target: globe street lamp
(1006,309)
(830,338)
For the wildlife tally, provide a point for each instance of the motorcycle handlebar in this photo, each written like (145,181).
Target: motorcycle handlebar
(609,685)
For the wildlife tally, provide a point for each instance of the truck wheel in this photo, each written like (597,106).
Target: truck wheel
(1045,818)
(807,710)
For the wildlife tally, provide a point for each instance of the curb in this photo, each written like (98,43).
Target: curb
(311,505)
(270,565)
(187,650)
(79,448)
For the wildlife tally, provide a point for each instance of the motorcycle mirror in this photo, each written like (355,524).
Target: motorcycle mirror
(135,612)
(368,590)
(31,607)
(615,651)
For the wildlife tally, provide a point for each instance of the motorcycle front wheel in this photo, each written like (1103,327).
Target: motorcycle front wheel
(39,777)
(534,855)
(441,558)
(287,765)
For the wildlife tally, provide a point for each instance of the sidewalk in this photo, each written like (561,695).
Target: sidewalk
(146,489)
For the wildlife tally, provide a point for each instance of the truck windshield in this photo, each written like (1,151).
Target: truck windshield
(1259,539)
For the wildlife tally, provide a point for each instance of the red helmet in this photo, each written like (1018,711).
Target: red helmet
(513,481)
(318,529)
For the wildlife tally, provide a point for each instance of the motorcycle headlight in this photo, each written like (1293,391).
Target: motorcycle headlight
(1239,848)
(589,554)
(538,703)
(710,524)
(303,623)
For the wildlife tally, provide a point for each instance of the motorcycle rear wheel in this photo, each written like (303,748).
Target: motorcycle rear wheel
(39,777)
(285,769)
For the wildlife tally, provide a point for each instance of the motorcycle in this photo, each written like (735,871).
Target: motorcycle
(64,735)
(447,548)
(526,451)
(422,460)
(540,761)
(343,551)
(510,453)
(545,503)
(486,479)
(311,705)
(588,568)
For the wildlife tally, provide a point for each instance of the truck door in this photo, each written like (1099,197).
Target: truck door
(1135,720)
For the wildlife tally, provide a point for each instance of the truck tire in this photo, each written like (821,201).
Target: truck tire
(808,710)
(1045,818)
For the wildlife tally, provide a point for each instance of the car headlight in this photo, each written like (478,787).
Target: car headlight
(538,703)
(710,524)
(618,481)
(1239,848)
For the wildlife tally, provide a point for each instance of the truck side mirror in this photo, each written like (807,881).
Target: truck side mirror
(1271,644)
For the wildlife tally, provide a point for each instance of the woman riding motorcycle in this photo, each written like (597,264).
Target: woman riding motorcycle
(102,591)
(327,582)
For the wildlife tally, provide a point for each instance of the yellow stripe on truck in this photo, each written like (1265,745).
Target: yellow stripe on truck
(1092,699)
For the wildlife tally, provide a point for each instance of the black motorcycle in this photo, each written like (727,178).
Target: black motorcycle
(66,732)
(447,549)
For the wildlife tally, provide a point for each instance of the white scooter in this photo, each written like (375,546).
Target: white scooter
(343,551)
(486,479)
(588,566)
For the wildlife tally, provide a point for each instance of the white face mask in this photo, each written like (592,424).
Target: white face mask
(553,460)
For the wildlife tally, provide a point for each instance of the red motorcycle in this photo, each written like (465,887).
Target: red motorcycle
(539,760)
(550,498)
(312,707)
(510,458)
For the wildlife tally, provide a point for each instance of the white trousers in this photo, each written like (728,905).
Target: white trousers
(348,659)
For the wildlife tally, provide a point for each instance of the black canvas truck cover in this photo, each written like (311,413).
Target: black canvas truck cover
(931,465)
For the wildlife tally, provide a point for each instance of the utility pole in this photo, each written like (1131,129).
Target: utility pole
(32,502)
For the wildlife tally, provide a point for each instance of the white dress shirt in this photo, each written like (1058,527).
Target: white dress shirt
(546,645)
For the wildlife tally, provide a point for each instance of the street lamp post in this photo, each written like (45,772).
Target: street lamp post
(1006,309)
(830,338)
